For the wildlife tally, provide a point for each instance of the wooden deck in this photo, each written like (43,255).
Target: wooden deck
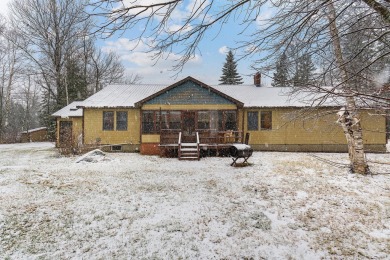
(211,142)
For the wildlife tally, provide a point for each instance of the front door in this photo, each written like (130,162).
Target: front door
(188,127)
(65,133)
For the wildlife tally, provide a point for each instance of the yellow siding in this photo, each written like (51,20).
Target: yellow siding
(240,116)
(93,128)
(374,128)
(285,129)
(189,107)
(150,138)
(318,127)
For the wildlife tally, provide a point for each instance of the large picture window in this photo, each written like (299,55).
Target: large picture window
(108,120)
(155,121)
(121,120)
(230,120)
(203,120)
(148,122)
(266,120)
(164,120)
(175,120)
(227,120)
(253,121)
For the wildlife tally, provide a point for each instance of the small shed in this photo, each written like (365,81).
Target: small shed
(34,135)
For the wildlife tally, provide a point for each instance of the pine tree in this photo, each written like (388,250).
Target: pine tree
(281,76)
(230,75)
(304,71)
(75,80)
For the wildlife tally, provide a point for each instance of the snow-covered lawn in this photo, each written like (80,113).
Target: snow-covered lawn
(283,206)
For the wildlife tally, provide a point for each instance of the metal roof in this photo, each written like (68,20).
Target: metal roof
(71,110)
(129,96)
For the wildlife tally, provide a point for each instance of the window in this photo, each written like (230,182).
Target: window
(175,120)
(224,120)
(203,120)
(154,121)
(116,148)
(230,120)
(164,120)
(266,120)
(148,122)
(220,121)
(253,121)
(121,120)
(108,120)
(157,119)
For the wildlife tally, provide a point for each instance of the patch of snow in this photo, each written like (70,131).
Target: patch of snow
(34,130)
(92,156)
(242,146)
(381,234)
(284,206)
(301,194)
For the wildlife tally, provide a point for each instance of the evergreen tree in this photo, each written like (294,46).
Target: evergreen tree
(76,82)
(281,75)
(304,71)
(230,75)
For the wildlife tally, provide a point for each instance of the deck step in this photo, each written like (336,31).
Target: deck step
(189,149)
(189,144)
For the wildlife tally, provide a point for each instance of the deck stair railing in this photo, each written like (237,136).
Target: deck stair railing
(189,151)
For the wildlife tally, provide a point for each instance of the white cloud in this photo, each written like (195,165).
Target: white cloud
(175,27)
(178,16)
(180,12)
(4,7)
(138,59)
(263,18)
(124,45)
(138,6)
(223,50)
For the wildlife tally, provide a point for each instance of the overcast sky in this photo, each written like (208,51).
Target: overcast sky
(3,6)
(207,66)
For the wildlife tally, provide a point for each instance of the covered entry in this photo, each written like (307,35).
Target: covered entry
(189,126)
(65,137)
(189,112)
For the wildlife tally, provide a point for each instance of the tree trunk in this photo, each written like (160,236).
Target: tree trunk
(9,87)
(348,118)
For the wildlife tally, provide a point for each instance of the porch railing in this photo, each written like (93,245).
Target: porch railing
(170,136)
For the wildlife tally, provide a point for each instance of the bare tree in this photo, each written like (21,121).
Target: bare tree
(10,71)
(130,79)
(50,30)
(57,42)
(106,69)
(316,27)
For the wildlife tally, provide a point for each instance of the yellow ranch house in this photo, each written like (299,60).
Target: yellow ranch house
(190,115)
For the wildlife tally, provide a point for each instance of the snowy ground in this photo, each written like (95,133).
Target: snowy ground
(283,206)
